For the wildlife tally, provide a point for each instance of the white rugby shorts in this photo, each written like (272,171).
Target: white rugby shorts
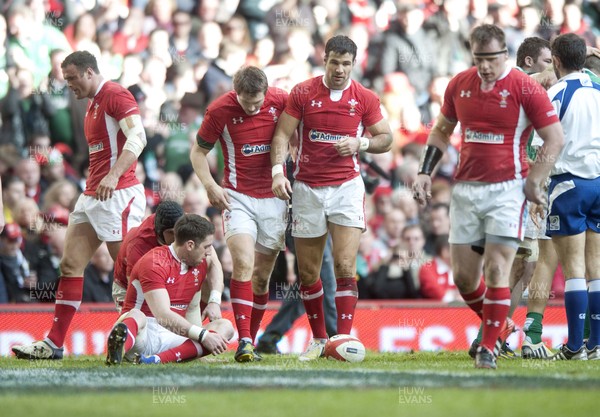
(477,209)
(314,207)
(111,219)
(265,219)
(153,339)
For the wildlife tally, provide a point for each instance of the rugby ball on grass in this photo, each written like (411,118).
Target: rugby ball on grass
(345,348)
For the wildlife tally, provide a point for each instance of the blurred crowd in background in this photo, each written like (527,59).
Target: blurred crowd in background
(175,56)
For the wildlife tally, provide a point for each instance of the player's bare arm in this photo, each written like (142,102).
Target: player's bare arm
(192,313)
(159,303)
(136,141)
(437,143)
(379,142)
(286,126)
(553,138)
(213,287)
(217,196)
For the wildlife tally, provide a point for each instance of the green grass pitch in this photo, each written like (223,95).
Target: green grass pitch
(392,384)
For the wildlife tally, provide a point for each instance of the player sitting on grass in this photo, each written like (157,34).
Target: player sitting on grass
(165,324)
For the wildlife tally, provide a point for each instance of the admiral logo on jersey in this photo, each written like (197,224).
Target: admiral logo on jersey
(96,147)
(249,150)
(316,136)
(479,137)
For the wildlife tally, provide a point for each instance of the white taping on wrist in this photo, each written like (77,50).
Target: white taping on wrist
(194,332)
(277,169)
(215,297)
(364,144)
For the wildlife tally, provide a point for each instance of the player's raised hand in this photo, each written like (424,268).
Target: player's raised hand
(590,50)
(281,187)
(422,189)
(212,311)
(347,146)
(106,188)
(215,343)
(218,197)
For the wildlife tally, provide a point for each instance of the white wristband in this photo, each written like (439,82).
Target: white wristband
(277,169)
(215,297)
(364,144)
(194,332)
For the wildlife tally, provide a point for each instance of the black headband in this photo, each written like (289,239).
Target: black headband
(485,54)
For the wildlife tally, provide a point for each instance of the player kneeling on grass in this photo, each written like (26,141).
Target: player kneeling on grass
(165,325)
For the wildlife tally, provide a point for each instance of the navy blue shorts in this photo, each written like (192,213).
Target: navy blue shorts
(573,205)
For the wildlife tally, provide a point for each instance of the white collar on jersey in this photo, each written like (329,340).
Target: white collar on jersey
(336,95)
(184,267)
(577,76)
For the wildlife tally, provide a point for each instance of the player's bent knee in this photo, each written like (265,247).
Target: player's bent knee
(222,326)
(138,316)
(309,279)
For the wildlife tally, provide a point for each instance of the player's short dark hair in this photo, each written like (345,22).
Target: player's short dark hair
(592,63)
(484,34)
(82,61)
(571,50)
(251,81)
(341,45)
(192,227)
(167,214)
(533,47)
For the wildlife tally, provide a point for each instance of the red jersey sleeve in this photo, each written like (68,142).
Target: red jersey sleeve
(212,125)
(296,100)
(280,97)
(537,105)
(448,109)
(373,113)
(121,104)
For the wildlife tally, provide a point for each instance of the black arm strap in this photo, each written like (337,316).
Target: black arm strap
(429,159)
